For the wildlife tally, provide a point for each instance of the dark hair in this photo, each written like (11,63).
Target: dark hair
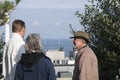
(18,25)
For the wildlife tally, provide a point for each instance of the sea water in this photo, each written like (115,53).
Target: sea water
(65,44)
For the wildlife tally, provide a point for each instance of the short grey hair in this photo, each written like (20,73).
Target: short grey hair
(33,43)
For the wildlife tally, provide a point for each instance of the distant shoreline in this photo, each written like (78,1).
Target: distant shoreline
(66,44)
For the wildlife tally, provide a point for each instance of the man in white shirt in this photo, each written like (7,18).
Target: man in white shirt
(13,50)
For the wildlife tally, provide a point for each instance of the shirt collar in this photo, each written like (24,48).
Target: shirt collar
(80,51)
(83,47)
(17,36)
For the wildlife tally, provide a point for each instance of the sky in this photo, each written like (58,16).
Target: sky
(50,18)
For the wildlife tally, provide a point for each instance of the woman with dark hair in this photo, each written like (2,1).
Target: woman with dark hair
(34,65)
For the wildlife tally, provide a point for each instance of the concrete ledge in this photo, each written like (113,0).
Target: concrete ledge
(64,78)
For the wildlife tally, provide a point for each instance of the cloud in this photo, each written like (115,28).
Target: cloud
(58,23)
(36,23)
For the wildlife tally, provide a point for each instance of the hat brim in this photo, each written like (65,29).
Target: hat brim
(71,37)
(75,37)
(81,37)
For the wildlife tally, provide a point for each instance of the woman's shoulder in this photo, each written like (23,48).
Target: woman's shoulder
(45,58)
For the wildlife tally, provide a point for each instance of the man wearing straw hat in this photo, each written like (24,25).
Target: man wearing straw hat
(86,64)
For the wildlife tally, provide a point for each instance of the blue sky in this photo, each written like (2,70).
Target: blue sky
(52,3)
(50,18)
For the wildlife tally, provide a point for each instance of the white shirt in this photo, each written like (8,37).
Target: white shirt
(11,55)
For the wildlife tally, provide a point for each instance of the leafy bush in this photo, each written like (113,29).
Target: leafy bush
(102,21)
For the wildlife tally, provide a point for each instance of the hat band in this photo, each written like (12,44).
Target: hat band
(81,37)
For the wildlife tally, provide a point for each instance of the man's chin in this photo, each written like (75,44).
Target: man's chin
(75,47)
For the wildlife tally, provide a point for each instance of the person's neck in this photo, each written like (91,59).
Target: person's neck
(19,33)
